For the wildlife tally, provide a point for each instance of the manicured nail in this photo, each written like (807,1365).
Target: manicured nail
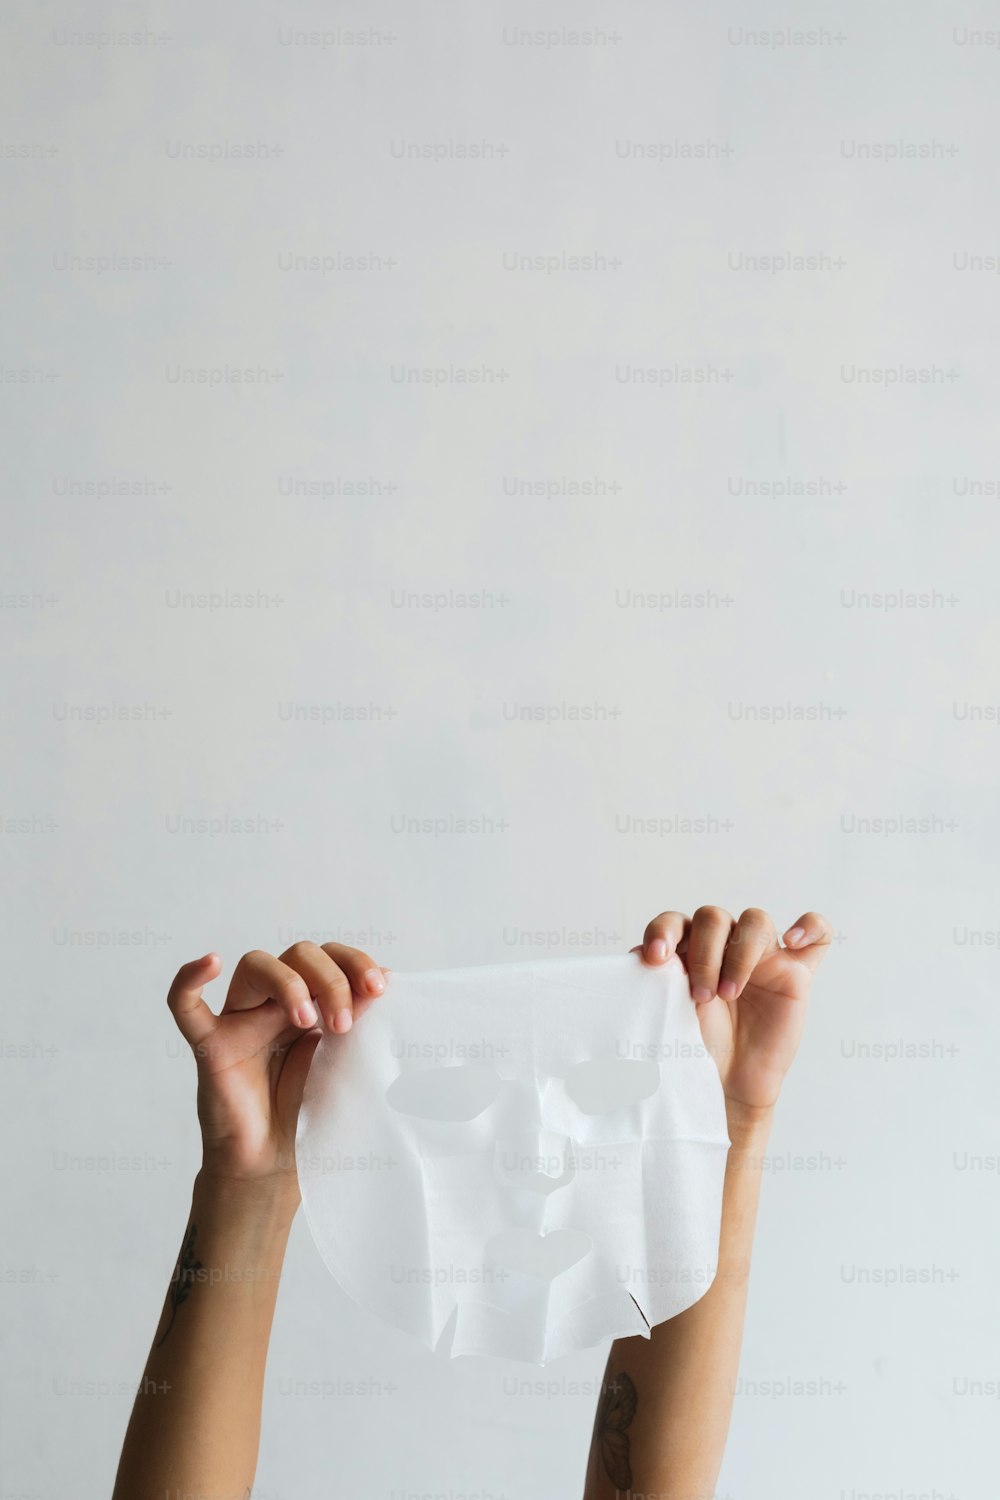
(306,1014)
(727,989)
(374,981)
(793,938)
(343,1021)
(657,951)
(700,994)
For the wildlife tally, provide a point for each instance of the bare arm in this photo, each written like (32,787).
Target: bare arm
(195,1426)
(663,1414)
(678,1383)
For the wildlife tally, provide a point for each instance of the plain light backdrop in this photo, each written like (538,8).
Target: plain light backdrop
(477,475)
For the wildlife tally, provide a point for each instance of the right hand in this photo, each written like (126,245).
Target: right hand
(254,1056)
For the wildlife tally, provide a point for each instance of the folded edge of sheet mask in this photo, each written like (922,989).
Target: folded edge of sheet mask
(534,1151)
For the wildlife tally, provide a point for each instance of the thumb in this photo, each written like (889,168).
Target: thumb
(808,939)
(293,1075)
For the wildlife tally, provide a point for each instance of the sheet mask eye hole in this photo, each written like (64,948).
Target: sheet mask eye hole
(606,1084)
(450,1094)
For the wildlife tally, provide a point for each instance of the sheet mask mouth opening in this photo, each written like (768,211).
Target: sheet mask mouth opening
(544,1256)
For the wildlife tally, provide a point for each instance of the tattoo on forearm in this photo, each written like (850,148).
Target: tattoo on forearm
(187,1269)
(615,1411)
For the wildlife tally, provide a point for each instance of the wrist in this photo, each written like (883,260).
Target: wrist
(268,1203)
(748,1123)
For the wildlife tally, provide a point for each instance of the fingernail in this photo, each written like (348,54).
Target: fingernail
(727,989)
(343,1021)
(374,981)
(657,951)
(306,1014)
(794,937)
(700,994)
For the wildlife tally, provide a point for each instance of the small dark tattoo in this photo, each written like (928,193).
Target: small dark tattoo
(187,1269)
(614,1416)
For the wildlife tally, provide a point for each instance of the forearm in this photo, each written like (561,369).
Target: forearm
(683,1376)
(195,1426)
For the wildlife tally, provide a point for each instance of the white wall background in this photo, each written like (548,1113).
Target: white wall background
(127,490)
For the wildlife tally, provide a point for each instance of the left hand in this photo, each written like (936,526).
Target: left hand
(751,992)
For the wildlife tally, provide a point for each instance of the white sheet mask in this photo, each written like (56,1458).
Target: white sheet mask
(535,1149)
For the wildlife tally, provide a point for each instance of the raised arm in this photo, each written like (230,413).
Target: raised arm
(195,1426)
(665,1404)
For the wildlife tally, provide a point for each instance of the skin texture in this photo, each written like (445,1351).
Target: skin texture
(663,1414)
(662,1420)
(195,1426)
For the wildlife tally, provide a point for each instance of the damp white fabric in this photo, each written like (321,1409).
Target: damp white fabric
(531,1153)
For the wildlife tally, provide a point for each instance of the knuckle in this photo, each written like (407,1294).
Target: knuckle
(300,950)
(351,955)
(253,959)
(712,916)
(754,916)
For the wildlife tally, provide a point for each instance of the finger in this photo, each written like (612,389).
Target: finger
(260,977)
(809,938)
(291,1080)
(750,939)
(706,945)
(662,935)
(329,984)
(364,976)
(194,1019)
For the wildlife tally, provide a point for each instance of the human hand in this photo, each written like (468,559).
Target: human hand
(751,992)
(254,1056)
